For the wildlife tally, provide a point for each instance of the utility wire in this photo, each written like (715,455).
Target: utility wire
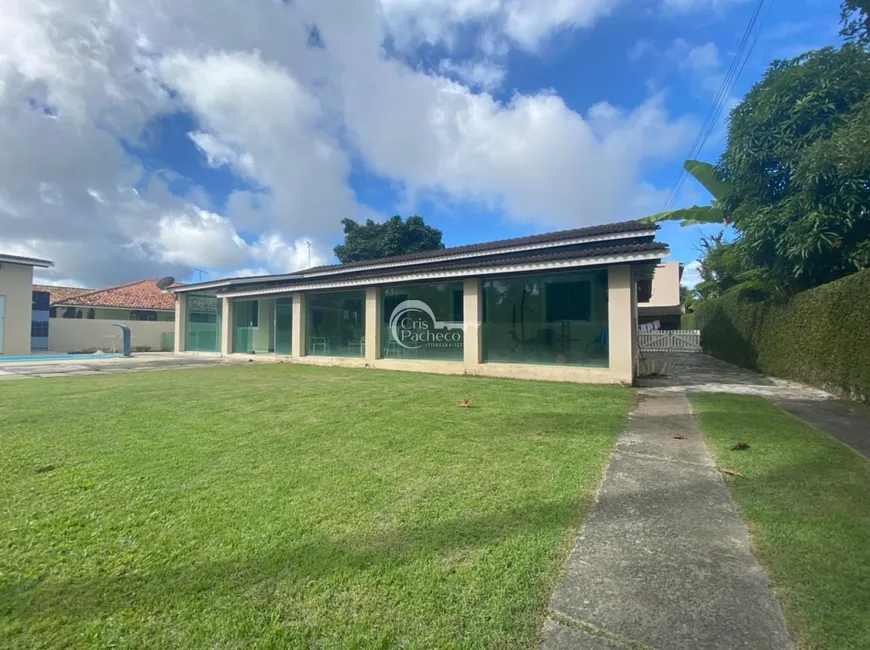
(738,63)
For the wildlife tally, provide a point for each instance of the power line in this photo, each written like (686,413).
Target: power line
(738,63)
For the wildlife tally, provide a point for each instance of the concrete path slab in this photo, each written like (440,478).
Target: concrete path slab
(664,559)
(565,637)
(95,366)
(701,373)
(834,419)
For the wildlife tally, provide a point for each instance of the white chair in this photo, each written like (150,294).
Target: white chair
(318,345)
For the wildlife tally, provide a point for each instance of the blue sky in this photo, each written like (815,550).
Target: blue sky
(235,141)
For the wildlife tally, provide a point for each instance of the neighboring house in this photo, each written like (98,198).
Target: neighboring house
(659,298)
(16,303)
(85,319)
(558,306)
(60,294)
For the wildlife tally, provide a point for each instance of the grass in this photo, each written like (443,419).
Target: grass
(279,506)
(806,498)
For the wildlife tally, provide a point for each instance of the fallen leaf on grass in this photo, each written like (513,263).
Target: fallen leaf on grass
(464,404)
(679,436)
(730,472)
(739,446)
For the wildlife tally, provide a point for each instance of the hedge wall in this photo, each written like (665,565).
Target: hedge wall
(820,337)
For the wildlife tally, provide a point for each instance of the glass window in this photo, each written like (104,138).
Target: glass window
(422,321)
(283,326)
(203,322)
(546,319)
(336,324)
(253,326)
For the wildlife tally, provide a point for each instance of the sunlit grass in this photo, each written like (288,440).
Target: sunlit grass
(276,506)
(807,500)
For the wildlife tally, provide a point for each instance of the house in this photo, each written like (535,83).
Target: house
(658,299)
(16,302)
(558,306)
(85,319)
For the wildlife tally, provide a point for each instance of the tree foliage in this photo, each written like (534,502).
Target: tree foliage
(374,241)
(706,175)
(800,196)
(855,18)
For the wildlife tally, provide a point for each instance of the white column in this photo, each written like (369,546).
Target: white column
(180,322)
(227,326)
(300,323)
(472,331)
(373,329)
(621,322)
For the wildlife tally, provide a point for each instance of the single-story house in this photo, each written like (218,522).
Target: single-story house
(16,302)
(83,320)
(658,299)
(558,306)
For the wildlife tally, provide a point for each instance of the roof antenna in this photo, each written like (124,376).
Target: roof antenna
(200,271)
(309,253)
(164,283)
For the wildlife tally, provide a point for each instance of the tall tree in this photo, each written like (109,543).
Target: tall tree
(855,18)
(800,195)
(374,241)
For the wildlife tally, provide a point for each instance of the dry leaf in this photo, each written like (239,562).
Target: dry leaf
(679,436)
(739,446)
(464,404)
(729,471)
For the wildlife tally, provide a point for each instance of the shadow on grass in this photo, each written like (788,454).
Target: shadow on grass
(297,564)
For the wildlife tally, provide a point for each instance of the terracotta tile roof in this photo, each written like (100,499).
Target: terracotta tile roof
(136,295)
(61,294)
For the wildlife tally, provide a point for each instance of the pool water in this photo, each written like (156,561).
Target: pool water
(59,357)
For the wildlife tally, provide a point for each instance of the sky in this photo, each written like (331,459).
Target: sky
(212,138)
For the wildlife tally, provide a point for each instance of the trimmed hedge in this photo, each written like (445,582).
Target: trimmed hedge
(820,337)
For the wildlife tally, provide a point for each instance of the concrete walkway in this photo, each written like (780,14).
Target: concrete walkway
(701,373)
(664,559)
(88,365)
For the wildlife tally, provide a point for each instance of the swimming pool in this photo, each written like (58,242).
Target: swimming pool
(59,357)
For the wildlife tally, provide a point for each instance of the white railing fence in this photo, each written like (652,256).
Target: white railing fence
(670,341)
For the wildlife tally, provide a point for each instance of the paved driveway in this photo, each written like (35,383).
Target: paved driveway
(700,373)
(91,366)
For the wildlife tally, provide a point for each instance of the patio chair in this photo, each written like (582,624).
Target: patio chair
(318,344)
(600,341)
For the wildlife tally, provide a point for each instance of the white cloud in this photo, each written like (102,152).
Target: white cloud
(691,274)
(207,240)
(702,58)
(524,22)
(688,6)
(475,74)
(78,79)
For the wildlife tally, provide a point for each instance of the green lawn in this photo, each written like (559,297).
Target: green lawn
(276,506)
(806,498)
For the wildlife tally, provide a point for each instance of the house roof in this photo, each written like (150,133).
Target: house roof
(608,234)
(136,295)
(25,261)
(61,294)
(588,255)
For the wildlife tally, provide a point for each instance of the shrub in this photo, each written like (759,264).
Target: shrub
(821,336)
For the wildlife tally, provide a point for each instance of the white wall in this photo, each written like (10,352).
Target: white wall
(74,334)
(16,283)
(665,286)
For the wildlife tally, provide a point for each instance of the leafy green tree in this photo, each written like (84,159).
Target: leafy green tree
(800,196)
(707,176)
(374,241)
(855,18)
